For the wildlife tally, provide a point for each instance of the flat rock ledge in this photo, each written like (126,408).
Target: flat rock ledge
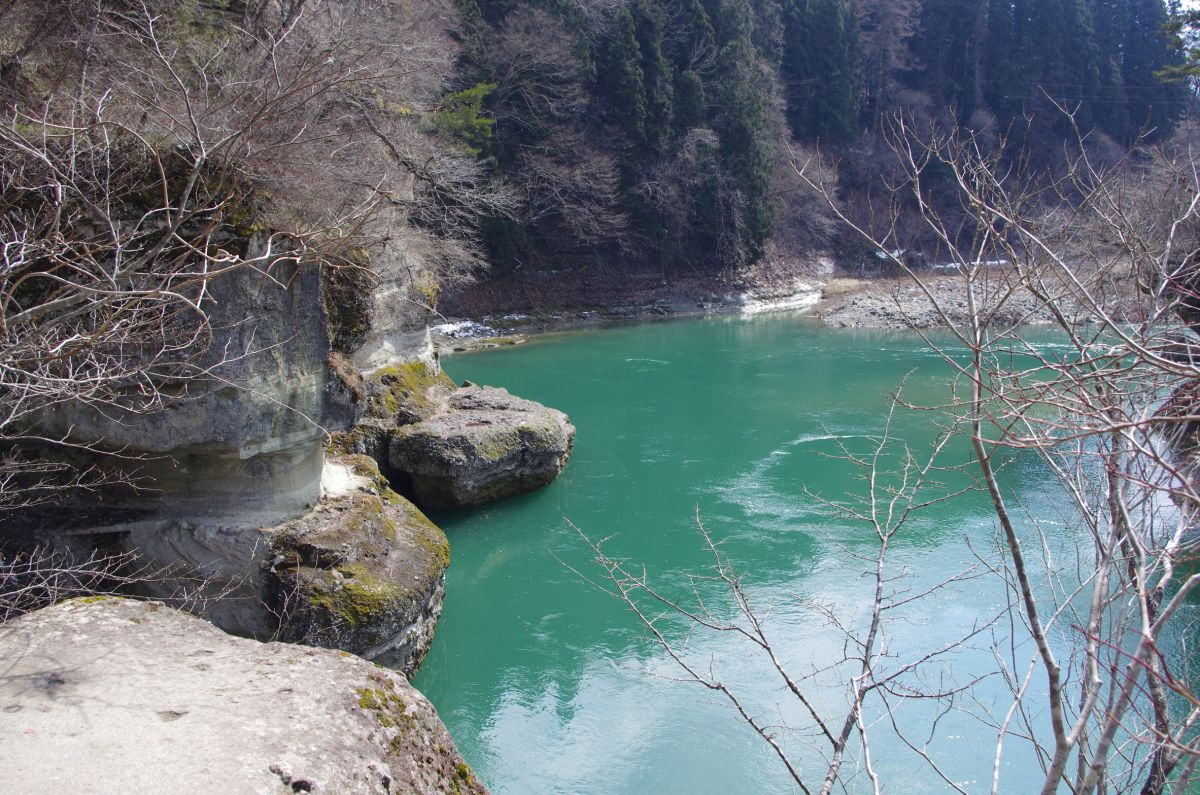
(481,445)
(107,695)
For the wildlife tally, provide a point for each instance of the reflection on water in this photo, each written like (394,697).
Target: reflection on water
(549,686)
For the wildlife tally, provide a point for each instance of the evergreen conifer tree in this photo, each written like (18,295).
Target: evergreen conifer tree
(1154,104)
(1110,20)
(1005,79)
(625,77)
(820,69)
(947,47)
(769,31)
(743,125)
(657,74)
(1066,62)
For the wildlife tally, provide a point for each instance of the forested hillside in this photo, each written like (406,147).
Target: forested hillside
(657,133)
(522,137)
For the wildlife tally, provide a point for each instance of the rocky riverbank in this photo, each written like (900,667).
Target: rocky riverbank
(458,334)
(835,302)
(271,497)
(940,299)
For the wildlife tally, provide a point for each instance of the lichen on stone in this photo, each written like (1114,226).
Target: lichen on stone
(364,573)
(407,392)
(356,596)
(402,723)
(385,702)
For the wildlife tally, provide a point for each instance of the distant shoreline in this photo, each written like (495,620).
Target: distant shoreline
(839,302)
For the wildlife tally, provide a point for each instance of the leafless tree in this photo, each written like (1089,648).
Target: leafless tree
(1094,657)
(869,674)
(151,147)
(1079,243)
(38,578)
(35,577)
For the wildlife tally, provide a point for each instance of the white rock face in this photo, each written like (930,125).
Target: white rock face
(338,479)
(248,441)
(798,296)
(400,314)
(115,696)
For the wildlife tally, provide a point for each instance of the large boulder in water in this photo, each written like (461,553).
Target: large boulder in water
(107,695)
(483,444)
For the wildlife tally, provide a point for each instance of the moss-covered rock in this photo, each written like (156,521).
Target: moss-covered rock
(484,444)
(364,573)
(407,392)
(368,439)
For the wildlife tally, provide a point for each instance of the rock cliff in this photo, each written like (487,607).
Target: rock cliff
(243,440)
(237,500)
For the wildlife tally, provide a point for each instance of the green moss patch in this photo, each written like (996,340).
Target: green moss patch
(463,777)
(388,706)
(361,440)
(358,596)
(407,392)
(96,599)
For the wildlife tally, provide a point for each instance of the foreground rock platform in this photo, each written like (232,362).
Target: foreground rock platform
(107,695)
(481,445)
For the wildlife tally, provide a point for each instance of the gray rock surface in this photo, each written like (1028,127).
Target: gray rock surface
(482,444)
(247,441)
(365,573)
(104,695)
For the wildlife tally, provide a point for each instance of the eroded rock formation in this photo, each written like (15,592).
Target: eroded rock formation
(237,508)
(244,443)
(481,445)
(365,572)
(238,505)
(107,695)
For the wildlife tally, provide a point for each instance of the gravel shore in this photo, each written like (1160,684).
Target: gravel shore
(902,303)
(837,302)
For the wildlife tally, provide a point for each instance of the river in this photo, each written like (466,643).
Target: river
(550,686)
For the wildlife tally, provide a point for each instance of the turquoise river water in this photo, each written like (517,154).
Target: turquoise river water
(550,686)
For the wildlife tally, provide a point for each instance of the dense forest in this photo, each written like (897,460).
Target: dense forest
(658,132)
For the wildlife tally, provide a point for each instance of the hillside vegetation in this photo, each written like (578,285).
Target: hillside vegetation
(660,134)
